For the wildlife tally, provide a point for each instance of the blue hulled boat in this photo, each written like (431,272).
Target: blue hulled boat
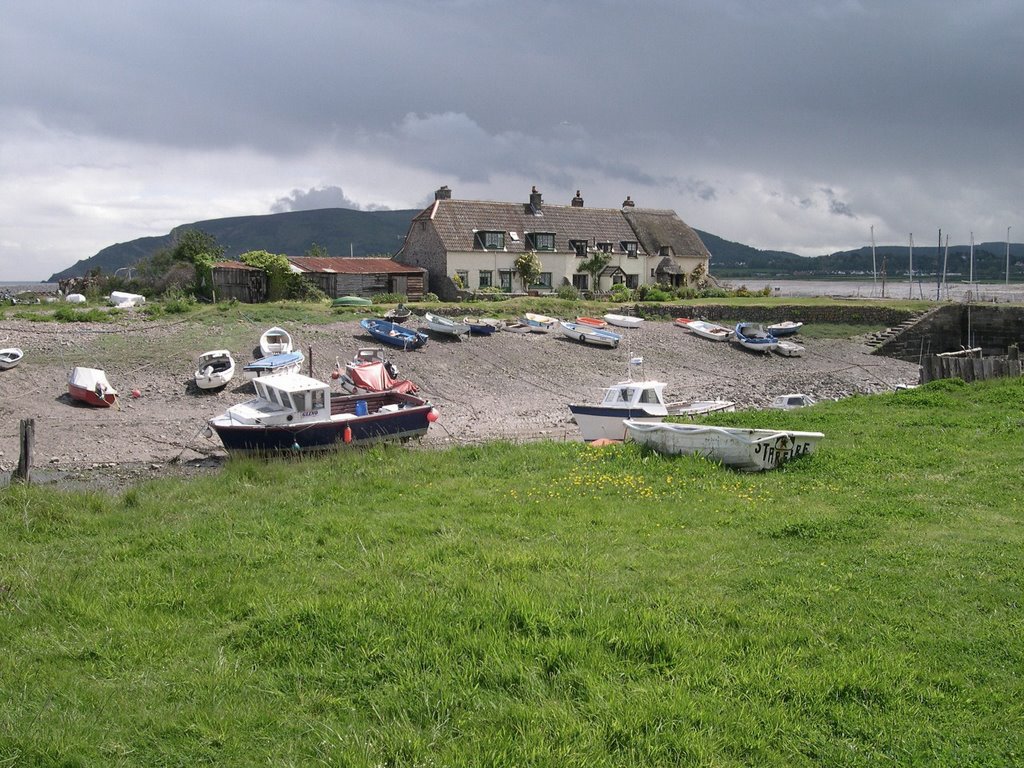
(393,334)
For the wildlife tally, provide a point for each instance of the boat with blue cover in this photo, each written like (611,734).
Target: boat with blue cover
(285,362)
(393,334)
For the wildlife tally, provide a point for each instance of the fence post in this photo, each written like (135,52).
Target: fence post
(27,438)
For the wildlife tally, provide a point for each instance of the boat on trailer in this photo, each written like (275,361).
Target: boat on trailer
(293,414)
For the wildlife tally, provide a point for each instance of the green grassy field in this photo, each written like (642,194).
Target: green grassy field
(550,604)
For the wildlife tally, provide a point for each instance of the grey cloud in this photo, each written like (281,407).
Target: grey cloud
(313,199)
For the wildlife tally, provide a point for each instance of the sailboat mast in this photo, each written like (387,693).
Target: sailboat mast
(938,275)
(874,271)
(911,270)
(1007,255)
(945,261)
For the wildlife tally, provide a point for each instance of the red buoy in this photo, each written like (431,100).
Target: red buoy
(136,394)
(347,435)
(432,415)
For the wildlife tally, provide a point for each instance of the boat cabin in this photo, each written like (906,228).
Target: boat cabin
(284,399)
(636,394)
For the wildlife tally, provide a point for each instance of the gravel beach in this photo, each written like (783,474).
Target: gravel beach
(509,385)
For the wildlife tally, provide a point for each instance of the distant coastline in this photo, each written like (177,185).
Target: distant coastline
(18,287)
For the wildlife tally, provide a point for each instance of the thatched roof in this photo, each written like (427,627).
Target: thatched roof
(663,232)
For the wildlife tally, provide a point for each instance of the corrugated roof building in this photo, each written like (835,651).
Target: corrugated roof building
(356,276)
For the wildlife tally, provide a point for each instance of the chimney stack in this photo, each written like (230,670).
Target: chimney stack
(577,202)
(628,202)
(443,193)
(535,200)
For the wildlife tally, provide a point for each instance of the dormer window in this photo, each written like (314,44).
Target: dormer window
(490,241)
(540,241)
(604,247)
(580,247)
(630,247)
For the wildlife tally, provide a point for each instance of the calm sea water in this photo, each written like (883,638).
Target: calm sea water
(889,289)
(34,287)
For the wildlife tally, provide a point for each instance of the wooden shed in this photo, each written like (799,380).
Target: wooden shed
(358,276)
(235,280)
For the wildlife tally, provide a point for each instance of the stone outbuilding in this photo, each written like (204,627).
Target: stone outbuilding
(358,276)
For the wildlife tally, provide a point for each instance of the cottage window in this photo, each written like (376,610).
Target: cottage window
(486,278)
(604,247)
(544,281)
(580,282)
(541,241)
(632,281)
(580,247)
(463,275)
(630,247)
(505,280)
(490,241)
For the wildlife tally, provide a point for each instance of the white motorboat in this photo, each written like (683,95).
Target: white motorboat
(704,329)
(637,400)
(754,337)
(749,450)
(622,321)
(588,334)
(445,325)
(275,341)
(215,369)
(10,357)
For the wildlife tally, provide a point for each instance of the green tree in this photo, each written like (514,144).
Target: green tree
(317,251)
(528,267)
(201,250)
(277,269)
(594,265)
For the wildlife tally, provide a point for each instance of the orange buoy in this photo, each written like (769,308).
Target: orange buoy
(432,415)
(347,435)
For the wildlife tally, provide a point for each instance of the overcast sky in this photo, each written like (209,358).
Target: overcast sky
(783,124)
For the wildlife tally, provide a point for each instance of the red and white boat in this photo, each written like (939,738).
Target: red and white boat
(90,386)
(596,322)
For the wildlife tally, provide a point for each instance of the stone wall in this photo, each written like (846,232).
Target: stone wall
(883,317)
(958,326)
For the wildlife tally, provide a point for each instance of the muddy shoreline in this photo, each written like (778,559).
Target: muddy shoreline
(507,386)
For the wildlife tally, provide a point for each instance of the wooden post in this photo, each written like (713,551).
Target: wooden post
(311,361)
(27,436)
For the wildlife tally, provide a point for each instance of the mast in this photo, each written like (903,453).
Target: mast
(874,272)
(945,261)
(1007,255)
(938,275)
(971,273)
(911,270)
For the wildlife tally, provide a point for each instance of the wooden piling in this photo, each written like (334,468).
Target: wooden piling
(27,438)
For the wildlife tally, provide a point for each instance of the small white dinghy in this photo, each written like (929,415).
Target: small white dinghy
(540,323)
(623,321)
(10,357)
(446,325)
(788,348)
(748,450)
(215,369)
(704,329)
(588,334)
(275,341)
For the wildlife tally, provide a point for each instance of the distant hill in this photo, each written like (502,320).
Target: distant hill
(343,231)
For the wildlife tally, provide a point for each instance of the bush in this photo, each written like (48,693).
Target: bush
(569,293)
(389,298)
(620,292)
(66,313)
(431,297)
